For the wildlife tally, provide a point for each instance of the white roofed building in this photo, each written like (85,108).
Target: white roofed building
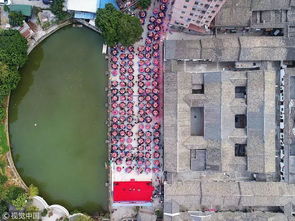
(83,9)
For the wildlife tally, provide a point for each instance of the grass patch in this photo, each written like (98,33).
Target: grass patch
(4,148)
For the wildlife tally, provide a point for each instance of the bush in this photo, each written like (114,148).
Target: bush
(144,4)
(16,19)
(3,179)
(14,192)
(2,113)
(3,207)
(44,212)
(20,202)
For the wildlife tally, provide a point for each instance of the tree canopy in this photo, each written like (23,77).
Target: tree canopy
(13,48)
(144,4)
(9,79)
(118,27)
(16,19)
(57,9)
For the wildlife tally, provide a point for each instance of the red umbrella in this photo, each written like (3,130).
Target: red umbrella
(114,66)
(131,48)
(122,48)
(156,140)
(155,112)
(148,141)
(114,52)
(129,147)
(152,19)
(156,147)
(128,169)
(140,76)
(157,133)
(122,77)
(119,169)
(122,98)
(130,56)
(156,154)
(148,133)
(162,7)
(156,162)
(140,91)
(147,170)
(148,41)
(114,83)
(118,162)
(114,105)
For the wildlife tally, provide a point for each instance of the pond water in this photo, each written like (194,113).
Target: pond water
(57,120)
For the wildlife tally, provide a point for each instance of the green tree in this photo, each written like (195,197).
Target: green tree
(3,179)
(16,19)
(33,190)
(20,202)
(3,207)
(9,79)
(14,192)
(57,9)
(117,27)
(144,4)
(3,192)
(13,48)
(131,30)
(83,218)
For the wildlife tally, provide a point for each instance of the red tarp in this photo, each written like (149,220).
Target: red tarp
(133,191)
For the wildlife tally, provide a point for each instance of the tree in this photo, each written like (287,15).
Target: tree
(57,9)
(117,27)
(14,192)
(83,218)
(3,179)
(13,48)
(33,190)
(144,4)
(20,202)
(131,30)
(3,192)
(9,79)
(16,19)
(3,207)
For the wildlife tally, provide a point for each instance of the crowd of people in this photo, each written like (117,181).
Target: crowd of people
(135,99)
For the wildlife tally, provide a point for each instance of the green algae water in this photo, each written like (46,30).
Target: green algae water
(57,120)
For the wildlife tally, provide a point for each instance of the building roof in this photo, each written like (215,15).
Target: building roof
(194,195)
(26,10)
(84,6)
(232,48)
(234,13)
(263,5)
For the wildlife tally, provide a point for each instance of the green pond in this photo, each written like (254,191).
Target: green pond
(57,120)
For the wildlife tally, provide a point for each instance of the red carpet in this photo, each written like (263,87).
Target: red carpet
(133,191)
